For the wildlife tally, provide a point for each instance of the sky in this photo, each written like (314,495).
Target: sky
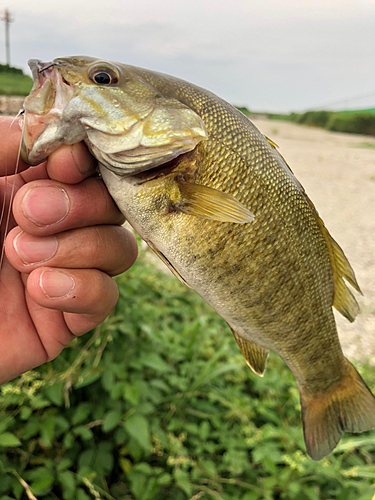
(267,55)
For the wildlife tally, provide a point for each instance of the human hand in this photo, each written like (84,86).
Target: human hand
(62,246)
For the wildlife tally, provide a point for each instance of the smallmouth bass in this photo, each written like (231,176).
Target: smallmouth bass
(217,203)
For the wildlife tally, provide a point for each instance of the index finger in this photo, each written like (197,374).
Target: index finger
(71,164)
(10,142)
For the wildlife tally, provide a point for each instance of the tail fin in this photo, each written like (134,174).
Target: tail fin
(347,406)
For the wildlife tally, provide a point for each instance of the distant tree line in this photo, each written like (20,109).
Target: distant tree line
(361,121)
(351,122)
(5,68)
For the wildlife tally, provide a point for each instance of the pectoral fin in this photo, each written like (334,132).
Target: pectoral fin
(255,356)
(209,203)
(164,259)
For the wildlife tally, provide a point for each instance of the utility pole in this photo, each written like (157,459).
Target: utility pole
(7,18)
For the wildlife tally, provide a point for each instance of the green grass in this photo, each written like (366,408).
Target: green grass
(15,84)
(364,145)
(158,404)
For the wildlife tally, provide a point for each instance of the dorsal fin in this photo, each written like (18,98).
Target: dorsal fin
(271,143)
(344,301)
(255,356)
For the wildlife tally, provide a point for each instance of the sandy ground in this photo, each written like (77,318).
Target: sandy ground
(10,105)
(338,173)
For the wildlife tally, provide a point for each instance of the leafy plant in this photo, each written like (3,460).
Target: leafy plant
(5,68)
(158,404)
(352,123)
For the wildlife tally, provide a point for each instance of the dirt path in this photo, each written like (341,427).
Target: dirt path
(338,173)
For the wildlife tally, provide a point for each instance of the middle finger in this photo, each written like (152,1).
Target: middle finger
(110,248)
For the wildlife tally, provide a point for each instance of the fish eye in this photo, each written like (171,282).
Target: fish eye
(103,76)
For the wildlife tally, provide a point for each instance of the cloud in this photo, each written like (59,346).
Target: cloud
(282,54)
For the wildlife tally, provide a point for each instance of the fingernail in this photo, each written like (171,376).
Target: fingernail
(45,206)
(32,250)
(81,160)
(56,284)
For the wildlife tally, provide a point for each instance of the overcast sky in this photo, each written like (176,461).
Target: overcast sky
(279,55)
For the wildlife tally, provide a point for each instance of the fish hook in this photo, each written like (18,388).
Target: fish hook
(47,66)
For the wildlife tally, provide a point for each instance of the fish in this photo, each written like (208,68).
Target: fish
(215,200)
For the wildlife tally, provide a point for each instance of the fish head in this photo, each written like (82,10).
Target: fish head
(128,125)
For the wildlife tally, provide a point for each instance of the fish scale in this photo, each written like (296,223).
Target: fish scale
(217,203)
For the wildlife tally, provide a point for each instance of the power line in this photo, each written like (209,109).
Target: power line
(7,18)
(342,101)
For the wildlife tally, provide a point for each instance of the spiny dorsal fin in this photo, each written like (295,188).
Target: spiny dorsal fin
(277,152)
(344,301)
(255,356)
(271,143)
(209,203)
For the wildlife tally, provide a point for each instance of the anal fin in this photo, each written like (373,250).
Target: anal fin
(255,356)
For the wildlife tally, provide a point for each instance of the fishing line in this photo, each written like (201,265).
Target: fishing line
(12,189)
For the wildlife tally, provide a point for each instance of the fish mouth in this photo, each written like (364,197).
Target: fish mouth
(38,69)
(47,84)
(42,67)
(43,108)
